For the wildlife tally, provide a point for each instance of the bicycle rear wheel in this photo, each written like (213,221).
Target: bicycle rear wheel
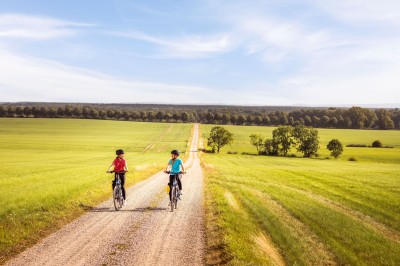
(116,198)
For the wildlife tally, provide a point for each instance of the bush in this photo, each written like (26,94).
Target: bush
(232,152)
(270,147)
(377,144)
(336,148)
(357,145)
(352,159)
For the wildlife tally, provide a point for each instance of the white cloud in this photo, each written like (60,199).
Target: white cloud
(192,46)
(19,26)
(328,65)
(363,11)
(31,79)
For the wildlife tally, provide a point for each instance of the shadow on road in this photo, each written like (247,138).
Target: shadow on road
(111,209)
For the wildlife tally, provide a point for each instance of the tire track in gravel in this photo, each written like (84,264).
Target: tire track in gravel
(145,232)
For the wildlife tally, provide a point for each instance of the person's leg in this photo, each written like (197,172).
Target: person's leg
(122,177)
(179,181)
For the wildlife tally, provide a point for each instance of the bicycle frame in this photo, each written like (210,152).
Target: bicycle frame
(174,192)
(117,192)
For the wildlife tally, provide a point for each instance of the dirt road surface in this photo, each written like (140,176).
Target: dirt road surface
(145,232)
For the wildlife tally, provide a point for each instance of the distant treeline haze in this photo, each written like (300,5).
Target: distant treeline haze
(354,117)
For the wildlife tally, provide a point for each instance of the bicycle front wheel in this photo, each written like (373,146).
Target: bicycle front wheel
(121,198)
(173,197)
(176,198)
(116,198)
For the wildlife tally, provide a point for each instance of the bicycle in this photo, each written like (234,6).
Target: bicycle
(175,194)
(118,198)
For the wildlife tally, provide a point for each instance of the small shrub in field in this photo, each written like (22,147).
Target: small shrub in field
(232,152)
(377,144)
(357,145)
(327,158)
(352,159)
(293,155)
(335,147)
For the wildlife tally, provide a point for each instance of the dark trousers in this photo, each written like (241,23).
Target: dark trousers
(171,180)
(122,178)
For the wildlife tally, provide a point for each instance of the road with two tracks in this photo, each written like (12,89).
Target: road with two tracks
(145,232)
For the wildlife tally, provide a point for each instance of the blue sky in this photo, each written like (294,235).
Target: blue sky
(269,52)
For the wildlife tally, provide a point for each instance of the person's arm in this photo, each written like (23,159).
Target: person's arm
(183,168)
(109,168)
(166,169)
(126,166)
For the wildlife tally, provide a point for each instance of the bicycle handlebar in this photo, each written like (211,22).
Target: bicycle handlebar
(121,172)
(168,172)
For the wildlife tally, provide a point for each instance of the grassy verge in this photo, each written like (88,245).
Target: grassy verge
(273,210)
(52,169)
(216,250)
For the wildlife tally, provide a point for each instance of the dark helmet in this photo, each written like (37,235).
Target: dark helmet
(118,152)
(175,152)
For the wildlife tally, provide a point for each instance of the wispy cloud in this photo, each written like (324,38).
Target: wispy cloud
(31,79)
(187,46)
(19,26)
(359,12)
(268,52)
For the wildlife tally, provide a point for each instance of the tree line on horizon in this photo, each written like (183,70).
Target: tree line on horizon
(354,117)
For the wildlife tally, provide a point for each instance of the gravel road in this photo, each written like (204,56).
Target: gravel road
(145,232)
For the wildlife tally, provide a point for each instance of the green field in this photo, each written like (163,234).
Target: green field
(297,211)
(53,168)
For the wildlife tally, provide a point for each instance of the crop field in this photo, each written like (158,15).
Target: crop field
(299,211)
(52,169)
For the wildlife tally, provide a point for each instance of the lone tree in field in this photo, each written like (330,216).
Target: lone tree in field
(282,137)
(307,140)
(336,148)
(257,140)
(219,137)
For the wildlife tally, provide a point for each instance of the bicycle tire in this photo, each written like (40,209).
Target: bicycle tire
(176,198)
(172,198)
(121,198)
(116,198)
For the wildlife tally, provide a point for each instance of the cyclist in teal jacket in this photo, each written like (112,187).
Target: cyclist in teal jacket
(175,166)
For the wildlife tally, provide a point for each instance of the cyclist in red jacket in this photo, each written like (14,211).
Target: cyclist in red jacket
(120,166)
